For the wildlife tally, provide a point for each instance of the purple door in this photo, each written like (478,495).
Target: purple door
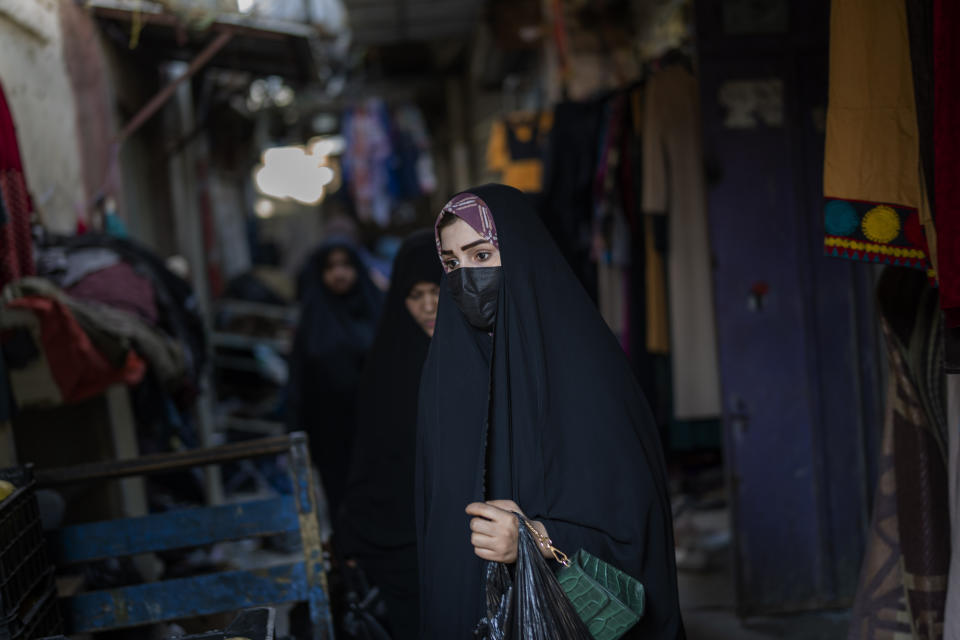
(798,342)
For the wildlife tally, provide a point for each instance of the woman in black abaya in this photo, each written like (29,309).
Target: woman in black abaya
(339,309)
(376,524)
(527,403)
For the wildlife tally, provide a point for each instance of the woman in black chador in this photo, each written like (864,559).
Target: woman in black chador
(528,404)
(339,309)
(376,524)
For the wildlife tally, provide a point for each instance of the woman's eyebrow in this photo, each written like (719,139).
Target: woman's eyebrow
(473,244)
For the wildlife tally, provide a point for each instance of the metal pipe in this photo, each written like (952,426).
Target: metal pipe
(161,98)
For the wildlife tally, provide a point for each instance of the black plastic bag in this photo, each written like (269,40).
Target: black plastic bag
(527,602)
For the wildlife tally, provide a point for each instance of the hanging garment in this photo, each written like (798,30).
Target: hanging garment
(16,245)
(947,157)
(376,523)
(552,400)
(872,174)
(920,24)
(329,350)
(611,230)
(656,309)
(903,583)
(951,624)
(566,206)
(646,311)
(409,121)
(658,315)
(516,149)
(674,185)
(366,160)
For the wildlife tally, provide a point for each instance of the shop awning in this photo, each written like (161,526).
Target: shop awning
(262,47)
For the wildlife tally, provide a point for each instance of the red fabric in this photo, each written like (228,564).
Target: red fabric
(946,69)
(79,370)
(16,246)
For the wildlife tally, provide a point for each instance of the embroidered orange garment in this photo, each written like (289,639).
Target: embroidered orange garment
(874,209)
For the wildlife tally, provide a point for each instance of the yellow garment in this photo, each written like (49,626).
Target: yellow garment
(658,311)
(525,174)
(658,322)
(872,150)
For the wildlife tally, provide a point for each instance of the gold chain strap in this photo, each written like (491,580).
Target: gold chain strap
(547,543)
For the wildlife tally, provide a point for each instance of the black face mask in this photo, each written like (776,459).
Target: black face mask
(475,292)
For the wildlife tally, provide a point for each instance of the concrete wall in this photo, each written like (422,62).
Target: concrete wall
(39,93)
(87,66)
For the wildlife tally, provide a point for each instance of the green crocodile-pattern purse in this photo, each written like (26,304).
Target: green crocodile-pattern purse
(608,600)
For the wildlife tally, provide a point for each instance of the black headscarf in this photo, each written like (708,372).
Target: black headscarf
(565,420)
(333,337)
(378,509)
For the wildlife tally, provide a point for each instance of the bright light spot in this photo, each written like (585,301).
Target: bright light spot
(327,146)
(283,96)
(245,6)
(292,173)
(270,91)
(264,208)
(325,175)
(324,122)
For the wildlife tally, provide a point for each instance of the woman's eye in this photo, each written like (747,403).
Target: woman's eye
(451,265)
(483,256)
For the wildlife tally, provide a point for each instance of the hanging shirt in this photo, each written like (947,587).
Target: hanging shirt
(16,244)
(516,148)
(674,185)
(947,159)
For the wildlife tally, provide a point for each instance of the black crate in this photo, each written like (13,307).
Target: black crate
(40,619)
(25,569)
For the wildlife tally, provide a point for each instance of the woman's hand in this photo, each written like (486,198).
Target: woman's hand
(493,530)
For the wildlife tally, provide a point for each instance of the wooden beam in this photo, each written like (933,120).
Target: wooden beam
(165,462)
(186,598)
(174,530)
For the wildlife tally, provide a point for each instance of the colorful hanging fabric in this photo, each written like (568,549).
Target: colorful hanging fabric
(366,160)
(903,583)
(515,149)
(947,154)
(16,245)
(872,175)
(409,122)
